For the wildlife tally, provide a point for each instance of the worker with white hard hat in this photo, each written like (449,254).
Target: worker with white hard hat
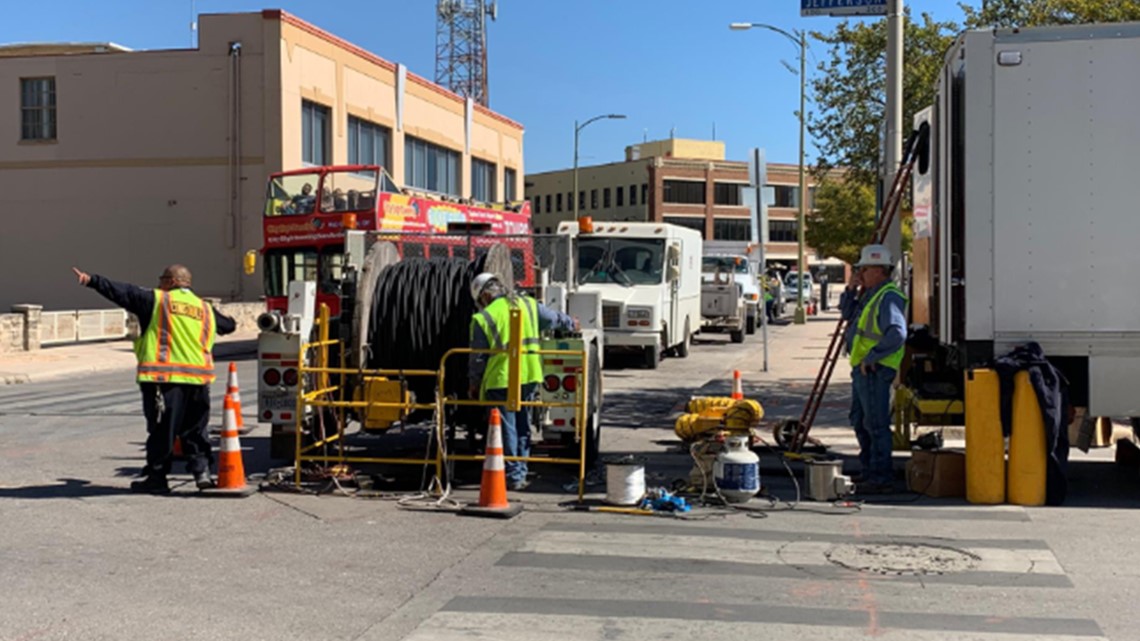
(487,373)
(875,310)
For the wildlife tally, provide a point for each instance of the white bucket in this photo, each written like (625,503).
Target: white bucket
(625,481)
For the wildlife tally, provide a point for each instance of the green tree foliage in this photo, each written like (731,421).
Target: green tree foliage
(843,219)
(1028,13)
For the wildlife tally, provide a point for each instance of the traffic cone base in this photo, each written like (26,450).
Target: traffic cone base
(493,488)
(231,469)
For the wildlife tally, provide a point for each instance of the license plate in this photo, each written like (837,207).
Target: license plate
(278,402)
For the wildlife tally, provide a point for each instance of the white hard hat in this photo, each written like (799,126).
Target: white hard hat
(875,256)
(480,283)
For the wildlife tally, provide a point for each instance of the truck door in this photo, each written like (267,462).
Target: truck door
(673,289)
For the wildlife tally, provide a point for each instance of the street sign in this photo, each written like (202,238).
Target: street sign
(843,7)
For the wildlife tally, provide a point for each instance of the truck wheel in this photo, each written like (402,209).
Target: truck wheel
(737,335)
(750,324)
(682,350)
(593,434)
(652,357)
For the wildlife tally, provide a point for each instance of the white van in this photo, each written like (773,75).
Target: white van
(649,278)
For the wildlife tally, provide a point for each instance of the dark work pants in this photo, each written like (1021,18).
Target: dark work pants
(184,411)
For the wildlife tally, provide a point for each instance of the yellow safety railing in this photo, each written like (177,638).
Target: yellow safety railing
(324,391)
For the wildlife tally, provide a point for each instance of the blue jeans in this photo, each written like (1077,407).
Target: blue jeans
(871,418)
(516,430)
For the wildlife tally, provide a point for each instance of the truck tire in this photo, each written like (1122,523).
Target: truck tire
(737,335)
(750,324)
(682,350)
(652,355)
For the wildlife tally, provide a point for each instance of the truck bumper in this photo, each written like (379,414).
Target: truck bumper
(619,338)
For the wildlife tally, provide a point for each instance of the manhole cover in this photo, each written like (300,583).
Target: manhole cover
(901,558)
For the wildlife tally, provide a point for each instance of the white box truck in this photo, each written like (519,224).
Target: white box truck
(649,278)
(1026,205)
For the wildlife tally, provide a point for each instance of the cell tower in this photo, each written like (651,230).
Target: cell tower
(461,46)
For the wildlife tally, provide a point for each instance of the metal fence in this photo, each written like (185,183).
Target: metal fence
(76,326)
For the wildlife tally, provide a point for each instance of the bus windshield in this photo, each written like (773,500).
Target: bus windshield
(283,266)
(625,261)
(334,192)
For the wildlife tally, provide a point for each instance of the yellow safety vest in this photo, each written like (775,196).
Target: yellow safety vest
(495,321)
(867,333)
(176,346)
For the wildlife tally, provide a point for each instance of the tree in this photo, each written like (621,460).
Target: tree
(843,218)
(850,92)
(1028,13)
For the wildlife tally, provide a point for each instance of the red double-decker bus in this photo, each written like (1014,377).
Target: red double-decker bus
(307,212)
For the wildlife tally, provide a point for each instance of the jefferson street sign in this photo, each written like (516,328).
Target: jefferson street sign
(843,7)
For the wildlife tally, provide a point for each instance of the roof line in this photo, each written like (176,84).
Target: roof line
(284,16)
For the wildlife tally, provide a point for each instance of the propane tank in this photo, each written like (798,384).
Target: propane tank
(737,470)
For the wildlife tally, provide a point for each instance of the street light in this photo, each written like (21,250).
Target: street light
(577,129)
(798,38)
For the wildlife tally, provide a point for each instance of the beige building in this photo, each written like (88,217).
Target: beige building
(679,181)
(123,161)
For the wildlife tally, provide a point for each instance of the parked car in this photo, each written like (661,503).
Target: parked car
(792,280)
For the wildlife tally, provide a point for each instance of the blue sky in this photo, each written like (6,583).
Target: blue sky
(666,64)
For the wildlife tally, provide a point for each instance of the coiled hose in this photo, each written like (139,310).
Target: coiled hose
(422,308)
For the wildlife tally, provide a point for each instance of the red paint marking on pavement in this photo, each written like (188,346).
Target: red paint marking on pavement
(870,604)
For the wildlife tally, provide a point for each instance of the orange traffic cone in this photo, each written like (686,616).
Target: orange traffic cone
(231,470)
(235,393)
(493,490)
(737,386)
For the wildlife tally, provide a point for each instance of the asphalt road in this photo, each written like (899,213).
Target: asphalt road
(85,559)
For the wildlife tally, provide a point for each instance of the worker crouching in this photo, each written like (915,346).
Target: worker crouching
(875,340)
(488,373)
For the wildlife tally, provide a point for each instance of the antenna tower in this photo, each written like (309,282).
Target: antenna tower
(461,46)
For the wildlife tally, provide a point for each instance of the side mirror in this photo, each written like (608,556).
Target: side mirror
(250,262)
(673,273)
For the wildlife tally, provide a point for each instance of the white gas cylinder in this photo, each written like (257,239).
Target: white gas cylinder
(737,470)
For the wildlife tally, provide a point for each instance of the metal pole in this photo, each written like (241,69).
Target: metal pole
(574,196)
(801,317)
(894,113)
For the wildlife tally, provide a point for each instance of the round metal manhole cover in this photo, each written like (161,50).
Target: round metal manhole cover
(900,559)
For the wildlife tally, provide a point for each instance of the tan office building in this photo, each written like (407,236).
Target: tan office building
(124,161)
(679,181)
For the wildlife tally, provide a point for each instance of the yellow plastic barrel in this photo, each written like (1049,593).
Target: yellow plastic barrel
(1026,446)
(985,445)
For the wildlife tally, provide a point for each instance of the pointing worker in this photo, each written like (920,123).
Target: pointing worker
(175,369)
(488,374)
(875,340)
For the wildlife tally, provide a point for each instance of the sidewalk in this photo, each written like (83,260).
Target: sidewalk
(86,358)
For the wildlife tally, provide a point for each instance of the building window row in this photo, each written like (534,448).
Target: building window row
(315,132)
(609,197)
(431,167)
(782,231)
(728,194)
(786,196)
(732,229)
(369,143)
(684,192)
(510,183)
(482,180)
(37,109)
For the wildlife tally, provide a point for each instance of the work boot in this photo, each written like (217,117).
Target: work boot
(203,481)
(151,485)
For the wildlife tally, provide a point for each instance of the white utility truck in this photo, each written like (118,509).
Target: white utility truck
(649,279)
(1025,205)
(738,269)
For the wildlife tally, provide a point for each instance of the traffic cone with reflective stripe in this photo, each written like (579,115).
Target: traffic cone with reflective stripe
(737,386)
(235,395)
(493,489)
(231,469)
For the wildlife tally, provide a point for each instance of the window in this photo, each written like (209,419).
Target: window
(510,182)
(285,265)
(633,195)
(582,199)
(811,198)
(37,109)
(606,198)
(732,229)
(439,251)
(782,231)
(688,221)
(569,201)
(537,204)
(644,193)
(727,194)
(430,167)
(626,261)
(684,192)
(786,196)
(483,180)
(548,209)
(619,192)
(593,199)
(558,202)
(314,133)
(368,143)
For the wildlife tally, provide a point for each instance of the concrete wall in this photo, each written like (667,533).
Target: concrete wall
(11,333)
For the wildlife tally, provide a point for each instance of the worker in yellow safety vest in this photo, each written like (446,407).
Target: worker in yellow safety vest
(488,373)
(875,340)
(175,369)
